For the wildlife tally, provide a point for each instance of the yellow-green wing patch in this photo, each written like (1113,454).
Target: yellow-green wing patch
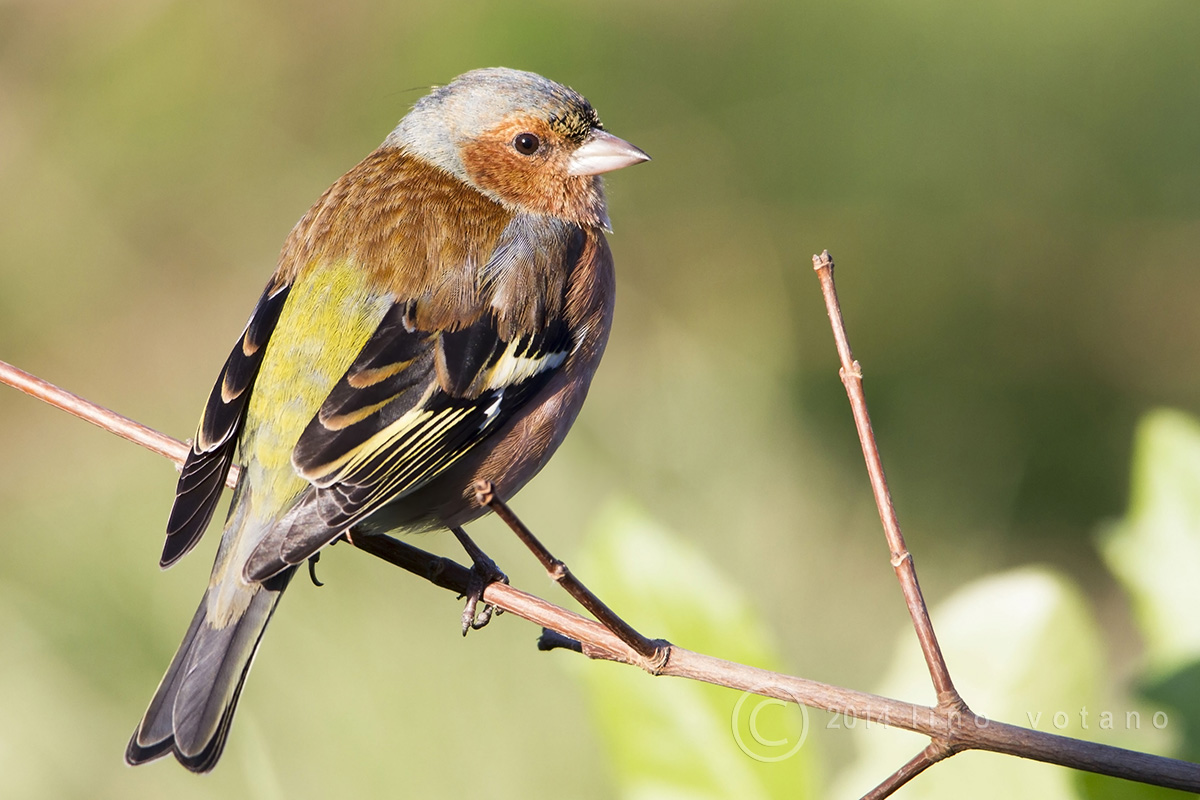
(411,405)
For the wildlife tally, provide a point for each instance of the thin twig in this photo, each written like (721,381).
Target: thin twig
(99,416)
(902,560)
(949,701)
(965,730)
(656,653)
(934,752)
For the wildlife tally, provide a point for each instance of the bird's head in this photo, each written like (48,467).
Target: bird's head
(527,142)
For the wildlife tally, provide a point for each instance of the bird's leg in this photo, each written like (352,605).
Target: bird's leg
(483,572)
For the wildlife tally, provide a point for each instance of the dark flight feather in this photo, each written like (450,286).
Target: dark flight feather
(203,475)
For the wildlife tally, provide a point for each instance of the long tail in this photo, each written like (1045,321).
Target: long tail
(194,704)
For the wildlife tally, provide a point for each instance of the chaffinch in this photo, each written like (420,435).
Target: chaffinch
(434,319)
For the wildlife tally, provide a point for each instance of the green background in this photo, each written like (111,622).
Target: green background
(1011,191)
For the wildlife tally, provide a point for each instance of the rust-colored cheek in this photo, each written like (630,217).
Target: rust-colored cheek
(534,185)
(511,176)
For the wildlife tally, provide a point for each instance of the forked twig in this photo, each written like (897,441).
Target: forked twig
(949,701)
(655,653)
(949,729)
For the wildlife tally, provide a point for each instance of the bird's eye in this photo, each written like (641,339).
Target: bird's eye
(527,144)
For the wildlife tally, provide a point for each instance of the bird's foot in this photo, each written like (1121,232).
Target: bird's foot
(484,572)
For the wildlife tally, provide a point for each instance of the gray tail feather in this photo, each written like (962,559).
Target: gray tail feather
(194,704)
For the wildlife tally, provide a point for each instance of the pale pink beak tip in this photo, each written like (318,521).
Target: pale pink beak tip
(603,152)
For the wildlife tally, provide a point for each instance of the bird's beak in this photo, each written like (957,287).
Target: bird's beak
(603,152)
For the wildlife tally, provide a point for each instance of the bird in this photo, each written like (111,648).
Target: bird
(434,320)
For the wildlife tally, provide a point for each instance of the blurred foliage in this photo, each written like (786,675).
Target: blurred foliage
(671,738)
(1155,551)
(1011,190)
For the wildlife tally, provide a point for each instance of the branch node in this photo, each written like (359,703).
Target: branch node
(940,749)
(658,660)
(951,703)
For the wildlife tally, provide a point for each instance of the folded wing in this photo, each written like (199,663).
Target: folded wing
(203,475)
(412,404)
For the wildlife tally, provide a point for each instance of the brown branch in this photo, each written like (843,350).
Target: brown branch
(654,653)
(948,699)
(902,560)
(960,730)
(935,751)
(99,416)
